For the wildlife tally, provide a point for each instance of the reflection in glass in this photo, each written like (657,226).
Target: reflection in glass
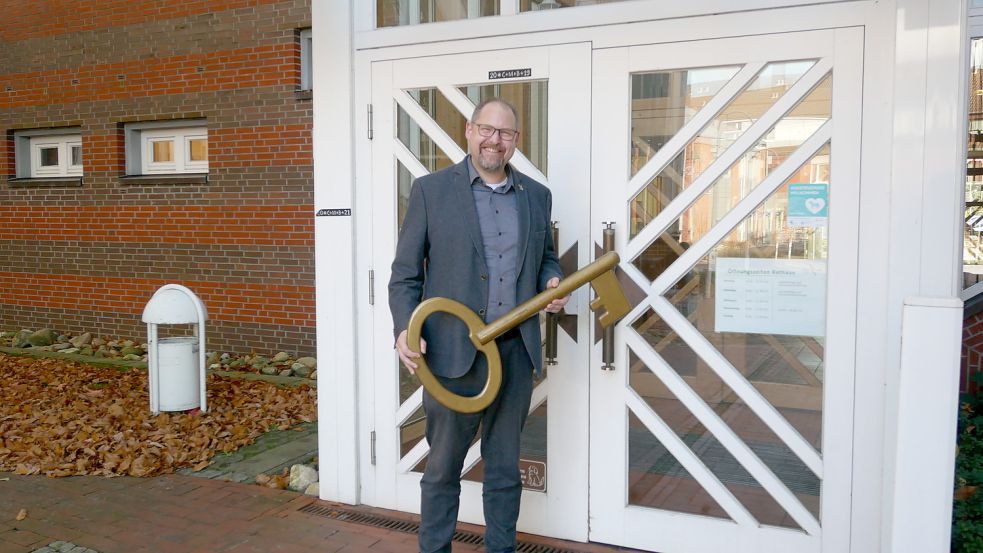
(49,157)
(973,229)
(657,480)
(198,149)
(391,13)
(663,101)
(729,407)
(76,155)
(543,5)
(731,187)
(163,150)
(783,361)
(769,85)
(418,142)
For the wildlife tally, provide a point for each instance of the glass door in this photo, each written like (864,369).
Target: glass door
(419,110)
(730,169)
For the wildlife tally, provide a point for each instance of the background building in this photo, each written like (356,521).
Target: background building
(145,143)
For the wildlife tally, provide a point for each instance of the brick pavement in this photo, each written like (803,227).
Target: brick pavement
(183,514)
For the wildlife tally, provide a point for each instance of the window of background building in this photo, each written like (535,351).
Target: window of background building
(973,229)
(392,13)
(166,147)
(306,60)
(48,153)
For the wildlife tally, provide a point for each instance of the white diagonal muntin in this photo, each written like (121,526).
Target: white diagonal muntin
(410,161)
(428,126)
(688,132)
(466,107)
(413,457)
(728,222)
(409,406)
(539,394)
(693,465)
(724,434)
(733,378)
(745,142)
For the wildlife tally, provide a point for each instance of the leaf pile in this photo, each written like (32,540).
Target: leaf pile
(62,418)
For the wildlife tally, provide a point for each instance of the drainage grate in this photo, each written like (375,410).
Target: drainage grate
(410,527)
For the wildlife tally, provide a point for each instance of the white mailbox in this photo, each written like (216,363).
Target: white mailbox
(176,365)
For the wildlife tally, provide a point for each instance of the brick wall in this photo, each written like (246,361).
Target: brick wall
(89,257)
(972,351)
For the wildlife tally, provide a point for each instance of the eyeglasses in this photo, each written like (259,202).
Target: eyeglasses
(508,135)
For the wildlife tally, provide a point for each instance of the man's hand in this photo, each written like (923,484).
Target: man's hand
(556,305)
(406,355)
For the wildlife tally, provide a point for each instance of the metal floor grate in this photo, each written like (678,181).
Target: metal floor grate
(410,527)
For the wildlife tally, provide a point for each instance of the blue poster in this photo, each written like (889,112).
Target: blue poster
(808,204)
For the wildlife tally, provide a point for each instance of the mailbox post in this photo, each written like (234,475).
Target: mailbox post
(176,365)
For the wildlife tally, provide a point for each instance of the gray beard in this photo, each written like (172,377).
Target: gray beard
(490,166)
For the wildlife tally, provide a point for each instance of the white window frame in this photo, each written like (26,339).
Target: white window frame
(306,59)
(63,144)
(139,147)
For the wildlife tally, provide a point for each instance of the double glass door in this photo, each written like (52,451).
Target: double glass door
(720,416)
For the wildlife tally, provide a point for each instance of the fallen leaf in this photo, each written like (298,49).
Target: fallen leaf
(964,493)
(22,514)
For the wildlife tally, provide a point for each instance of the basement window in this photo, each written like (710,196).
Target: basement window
(48,153)
(166,147)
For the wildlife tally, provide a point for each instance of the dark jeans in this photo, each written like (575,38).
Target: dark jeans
(450,434)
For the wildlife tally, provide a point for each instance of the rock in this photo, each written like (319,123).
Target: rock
(313,489)
(132,357)
(301,369)
(212,359)
(63,338)
(269,370)
(81,340)
(215,367)
(235,364)
(313,375)
(70,350)
(225,357)
(128,343)
(301,476)
(8,334)
(131,350)
(308,361)
(100,353)
(113,343)
(286,372)
(59,347)
(43,337)
(96,342)
(86,350)
(20,339)
(280,357)
(258,362)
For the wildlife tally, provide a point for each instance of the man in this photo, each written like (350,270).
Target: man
(477,233)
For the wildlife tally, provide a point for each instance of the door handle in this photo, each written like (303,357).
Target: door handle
(607,342)
(552,319)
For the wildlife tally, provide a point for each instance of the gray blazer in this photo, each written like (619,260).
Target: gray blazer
(440,254)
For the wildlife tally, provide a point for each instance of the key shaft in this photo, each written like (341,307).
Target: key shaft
(535,304)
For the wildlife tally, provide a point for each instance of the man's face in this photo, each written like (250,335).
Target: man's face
(491,153)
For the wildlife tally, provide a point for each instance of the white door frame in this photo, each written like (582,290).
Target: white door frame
(388,481)
(613,520)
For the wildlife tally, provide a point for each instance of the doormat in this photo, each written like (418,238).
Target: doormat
(410,527)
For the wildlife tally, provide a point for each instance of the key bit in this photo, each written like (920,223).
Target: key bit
(610,297)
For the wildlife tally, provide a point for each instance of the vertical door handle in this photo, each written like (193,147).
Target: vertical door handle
(607,344)
(552,318)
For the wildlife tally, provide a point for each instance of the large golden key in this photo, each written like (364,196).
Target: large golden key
(600,275)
